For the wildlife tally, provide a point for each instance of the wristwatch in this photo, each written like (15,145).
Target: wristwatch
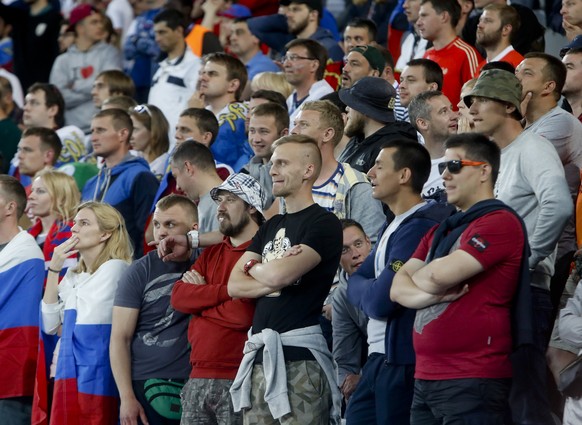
(249,265)
(193,239)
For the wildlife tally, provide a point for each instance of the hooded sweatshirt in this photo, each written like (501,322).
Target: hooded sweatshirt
(361,153)
(130,187)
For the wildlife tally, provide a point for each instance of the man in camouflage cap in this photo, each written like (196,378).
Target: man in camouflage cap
(531,181)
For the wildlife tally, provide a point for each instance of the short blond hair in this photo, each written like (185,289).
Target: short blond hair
(274,81)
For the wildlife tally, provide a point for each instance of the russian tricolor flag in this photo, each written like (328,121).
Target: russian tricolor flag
(22,278)
(85,392)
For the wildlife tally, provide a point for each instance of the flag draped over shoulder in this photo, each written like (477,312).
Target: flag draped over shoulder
(58,233)
(21,282)
(84,390)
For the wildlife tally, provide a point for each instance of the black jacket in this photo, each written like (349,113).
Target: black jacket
(361,153)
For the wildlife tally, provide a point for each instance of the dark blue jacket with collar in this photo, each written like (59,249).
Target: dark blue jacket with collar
(372,295)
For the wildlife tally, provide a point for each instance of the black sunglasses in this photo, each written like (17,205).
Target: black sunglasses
(454,166)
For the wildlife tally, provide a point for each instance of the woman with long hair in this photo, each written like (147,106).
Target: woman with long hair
(84,389)
(150,136)
(53,200)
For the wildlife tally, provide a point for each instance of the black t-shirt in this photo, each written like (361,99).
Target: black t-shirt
(298,305)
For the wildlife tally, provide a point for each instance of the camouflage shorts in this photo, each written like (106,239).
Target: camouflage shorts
(309,396)
(207,401)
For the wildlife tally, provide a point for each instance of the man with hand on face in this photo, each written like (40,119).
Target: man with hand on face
(219,324)
(148,337)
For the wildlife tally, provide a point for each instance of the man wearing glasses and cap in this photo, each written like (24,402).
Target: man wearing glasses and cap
(532,182)
(463,279)
(219,324)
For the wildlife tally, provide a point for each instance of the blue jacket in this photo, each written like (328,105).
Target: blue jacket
(130,187)
(273,31)
(372,295)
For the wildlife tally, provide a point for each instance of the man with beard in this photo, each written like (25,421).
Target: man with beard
(371,122)
(303,17)
(497,25)
(219,324)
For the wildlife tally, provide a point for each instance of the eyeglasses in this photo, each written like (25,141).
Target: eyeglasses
(454,166)
(140,109)
(295,58)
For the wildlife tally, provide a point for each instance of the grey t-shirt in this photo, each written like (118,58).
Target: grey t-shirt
(159,348)
(207,221)
(531,181)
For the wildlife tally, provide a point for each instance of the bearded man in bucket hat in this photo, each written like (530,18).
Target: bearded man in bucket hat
(531,181)
(371,121)
(219,324)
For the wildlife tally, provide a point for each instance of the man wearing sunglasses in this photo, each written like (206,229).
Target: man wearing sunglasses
(463,279)
(532,182)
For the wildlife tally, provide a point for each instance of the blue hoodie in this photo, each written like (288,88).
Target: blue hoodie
(130,187)
(372,295)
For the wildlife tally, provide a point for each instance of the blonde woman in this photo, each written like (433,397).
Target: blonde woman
(274,81)
(82,304)
(150,136)
(53,201)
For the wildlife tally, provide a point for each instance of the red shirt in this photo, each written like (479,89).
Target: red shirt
(219,324)
(459,62)
(513,57)
(471,337)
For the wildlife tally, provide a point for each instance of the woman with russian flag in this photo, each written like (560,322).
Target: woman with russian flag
(84,390)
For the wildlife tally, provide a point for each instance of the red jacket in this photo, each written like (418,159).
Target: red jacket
(219,324)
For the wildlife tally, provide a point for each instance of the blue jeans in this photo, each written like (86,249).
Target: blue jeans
(528,398)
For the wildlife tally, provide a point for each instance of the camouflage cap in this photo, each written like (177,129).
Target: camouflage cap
(499,85)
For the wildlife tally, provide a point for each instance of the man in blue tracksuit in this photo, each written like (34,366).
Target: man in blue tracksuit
(125,181)
(384,393)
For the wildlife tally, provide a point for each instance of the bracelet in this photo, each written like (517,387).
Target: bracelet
(193,238)
(54,271)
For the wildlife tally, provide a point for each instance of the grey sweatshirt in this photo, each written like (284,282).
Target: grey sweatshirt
(531,181)
(74,73)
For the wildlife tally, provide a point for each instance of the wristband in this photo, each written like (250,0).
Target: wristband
(249,265)
(194,239)
(54,271)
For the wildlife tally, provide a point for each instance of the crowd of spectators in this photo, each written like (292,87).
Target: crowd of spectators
(294,211)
